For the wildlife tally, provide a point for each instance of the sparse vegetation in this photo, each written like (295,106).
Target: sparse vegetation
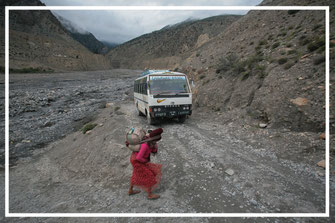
(31,70)
(197,55)
(319,60)
(117,108)
(275,45)
(317,26)
(282,60)
(88,127)
(292,12)
(315,44)
(291,52)
(262,42)
(245,75)
(288,65)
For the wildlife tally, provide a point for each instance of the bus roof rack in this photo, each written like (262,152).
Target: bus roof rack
(146,72)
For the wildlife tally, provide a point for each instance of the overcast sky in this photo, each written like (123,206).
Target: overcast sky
(121,26)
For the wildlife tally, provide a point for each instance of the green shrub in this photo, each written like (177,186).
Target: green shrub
(275,45)
(262,42)
(88,127)
(317,26)
(288,65)
(331,44)
(319,60)
(291,52)
(282,60)
(202,77)
(245,75)
(117,108)
(227,63)
(197,55)
(284,33)
(292,12)
(316,44)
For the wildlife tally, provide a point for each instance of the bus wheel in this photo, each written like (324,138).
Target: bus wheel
(151,121)
(181,119)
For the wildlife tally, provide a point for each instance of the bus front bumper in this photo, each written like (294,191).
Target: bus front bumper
(169,112)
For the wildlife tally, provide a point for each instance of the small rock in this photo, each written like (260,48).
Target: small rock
(18,145)
(323,136)
(253,202)
(321,174)
(263,125)
(322,164)
(88,132)
(26,141)
(108,105)
(230,172)
(101,124)
(299,101)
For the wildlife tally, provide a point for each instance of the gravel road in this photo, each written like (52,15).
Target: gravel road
(210,165)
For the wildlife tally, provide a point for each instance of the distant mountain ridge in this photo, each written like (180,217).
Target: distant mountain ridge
(84,37)
(169,46)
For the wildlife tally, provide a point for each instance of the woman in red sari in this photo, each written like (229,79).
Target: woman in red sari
(146,175)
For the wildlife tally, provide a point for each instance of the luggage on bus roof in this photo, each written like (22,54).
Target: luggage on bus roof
(147,72)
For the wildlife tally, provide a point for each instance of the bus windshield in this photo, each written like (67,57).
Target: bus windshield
(168,84)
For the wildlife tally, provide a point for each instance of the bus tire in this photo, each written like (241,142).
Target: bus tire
(181,119)
(151,121)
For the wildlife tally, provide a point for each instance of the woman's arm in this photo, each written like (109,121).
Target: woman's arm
(140,155)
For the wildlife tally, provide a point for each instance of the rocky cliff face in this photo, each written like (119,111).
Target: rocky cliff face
(39,41)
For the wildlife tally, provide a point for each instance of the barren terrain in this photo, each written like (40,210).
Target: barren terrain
(211,163)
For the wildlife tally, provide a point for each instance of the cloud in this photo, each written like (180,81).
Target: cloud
(121,26)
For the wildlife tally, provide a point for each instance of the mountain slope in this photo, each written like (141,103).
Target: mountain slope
(268,66)
(38,40)
(84,37)
(169,46)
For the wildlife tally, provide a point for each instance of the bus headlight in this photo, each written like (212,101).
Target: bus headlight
(159,109)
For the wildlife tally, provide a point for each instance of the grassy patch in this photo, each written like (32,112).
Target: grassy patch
(88,127)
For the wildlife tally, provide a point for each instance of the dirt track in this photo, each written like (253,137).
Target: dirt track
(273,170)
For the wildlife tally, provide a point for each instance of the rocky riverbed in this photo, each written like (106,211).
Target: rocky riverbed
(47,107)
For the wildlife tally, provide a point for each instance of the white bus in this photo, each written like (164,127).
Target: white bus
(163,94)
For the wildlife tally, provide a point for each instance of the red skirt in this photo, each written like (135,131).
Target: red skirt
(146,176)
